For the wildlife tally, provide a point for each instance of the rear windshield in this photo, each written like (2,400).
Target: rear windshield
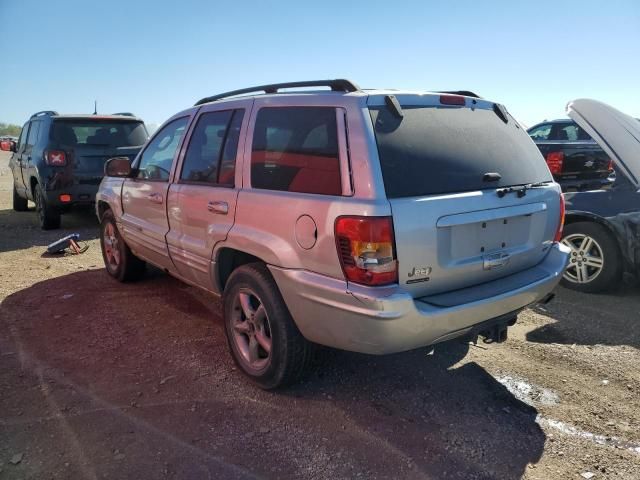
(114,133)
(445,150)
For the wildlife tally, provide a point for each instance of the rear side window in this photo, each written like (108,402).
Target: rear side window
(99,133)
(447,150)
(295,149)
(211,154)
(568,132)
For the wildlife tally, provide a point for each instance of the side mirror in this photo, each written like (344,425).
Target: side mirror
(118,167)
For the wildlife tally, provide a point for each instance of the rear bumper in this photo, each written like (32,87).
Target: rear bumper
(384,320)
(80,195)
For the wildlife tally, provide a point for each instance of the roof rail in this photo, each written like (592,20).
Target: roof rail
(43,113)
(124,114)
(338,85)
(465,93)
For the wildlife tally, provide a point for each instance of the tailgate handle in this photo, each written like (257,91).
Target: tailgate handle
(218,207)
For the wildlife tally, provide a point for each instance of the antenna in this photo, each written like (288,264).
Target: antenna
(95,107)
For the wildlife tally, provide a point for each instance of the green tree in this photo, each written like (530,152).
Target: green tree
(8,129)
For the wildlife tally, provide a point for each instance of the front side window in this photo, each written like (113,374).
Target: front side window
(156,160)
(295,149)
(32,138)
(540,132)
(23,136)
(212,142)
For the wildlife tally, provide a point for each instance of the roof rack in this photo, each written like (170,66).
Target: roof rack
(338,85)
(465,93)
(124,114)
(43,113)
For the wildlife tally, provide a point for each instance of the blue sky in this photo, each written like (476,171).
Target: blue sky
(156,58)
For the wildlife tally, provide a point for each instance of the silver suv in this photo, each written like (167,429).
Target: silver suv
(375,221)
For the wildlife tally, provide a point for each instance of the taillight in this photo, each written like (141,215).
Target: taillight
(555,161)
(558,236)
(366,249)
(55,158)
(452,100)
(610,166)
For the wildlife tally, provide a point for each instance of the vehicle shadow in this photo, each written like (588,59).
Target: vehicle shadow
(136,380)
(20,230)
(589,319)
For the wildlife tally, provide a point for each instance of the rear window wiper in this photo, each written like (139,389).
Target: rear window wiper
(520,190)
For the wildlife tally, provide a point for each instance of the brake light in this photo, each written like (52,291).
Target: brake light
(558,236)
(55,158)
(452,100)
(555,161)
(366,249)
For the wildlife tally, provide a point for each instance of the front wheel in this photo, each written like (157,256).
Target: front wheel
(594,262)
(119,260)
(263,338)
(19,204)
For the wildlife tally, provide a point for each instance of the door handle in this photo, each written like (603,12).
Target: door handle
(155,198)
(218,207)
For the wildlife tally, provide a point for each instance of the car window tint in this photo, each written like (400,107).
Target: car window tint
(295,149)
(100,133)
(431,151)
(541,132)
(155,162)
(227,170)
(203,153)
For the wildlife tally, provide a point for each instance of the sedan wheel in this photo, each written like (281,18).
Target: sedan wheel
(586,259)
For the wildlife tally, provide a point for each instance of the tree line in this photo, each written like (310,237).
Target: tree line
(9,129)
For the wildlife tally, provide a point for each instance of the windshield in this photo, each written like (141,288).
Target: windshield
(111,133)
(445,150)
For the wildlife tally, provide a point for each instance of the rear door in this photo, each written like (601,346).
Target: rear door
(202,200)
(447,172)
(617,133)
(144,197)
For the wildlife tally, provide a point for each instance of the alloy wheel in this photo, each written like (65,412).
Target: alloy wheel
(251,330)
(111,247)
(585,260)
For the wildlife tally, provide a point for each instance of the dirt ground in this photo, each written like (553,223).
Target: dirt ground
(104,380)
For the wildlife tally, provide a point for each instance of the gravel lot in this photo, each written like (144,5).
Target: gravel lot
(104,380)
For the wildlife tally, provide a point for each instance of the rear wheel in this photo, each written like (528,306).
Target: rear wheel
(594,262)
(263,338)
(19,203)
(48,217)
(119,261)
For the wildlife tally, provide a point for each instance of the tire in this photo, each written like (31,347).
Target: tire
(48,217)
(19,204)
(251,293)
(119,260)
(601,265)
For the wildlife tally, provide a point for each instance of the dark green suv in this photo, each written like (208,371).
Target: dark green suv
(58,161)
